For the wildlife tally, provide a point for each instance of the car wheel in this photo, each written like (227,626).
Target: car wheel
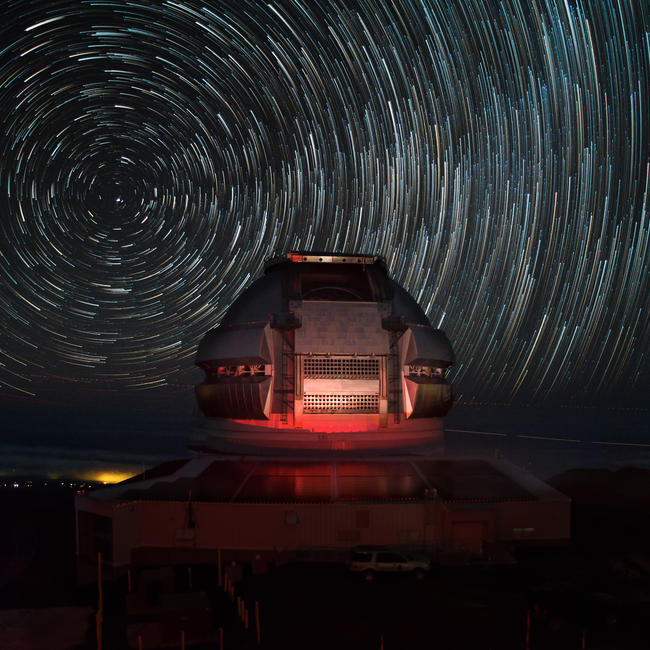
(368,576)
(419,574)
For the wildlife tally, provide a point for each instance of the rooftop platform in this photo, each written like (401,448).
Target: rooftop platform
(289,480)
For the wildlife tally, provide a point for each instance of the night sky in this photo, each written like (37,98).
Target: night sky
(496,153)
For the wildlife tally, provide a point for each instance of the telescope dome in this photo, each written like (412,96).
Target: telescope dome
(324,353)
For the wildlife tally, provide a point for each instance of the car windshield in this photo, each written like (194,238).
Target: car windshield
(361,556)
(390,557)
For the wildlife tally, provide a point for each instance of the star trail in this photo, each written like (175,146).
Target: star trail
(153,155)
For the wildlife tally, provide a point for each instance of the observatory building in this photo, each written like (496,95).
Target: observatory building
(319,429)
(323,353)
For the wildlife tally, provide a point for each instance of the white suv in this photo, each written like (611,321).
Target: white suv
(369,560)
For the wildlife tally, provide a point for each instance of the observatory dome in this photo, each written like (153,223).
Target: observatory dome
(323,353)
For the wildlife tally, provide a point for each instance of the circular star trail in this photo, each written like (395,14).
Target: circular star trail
(496,153)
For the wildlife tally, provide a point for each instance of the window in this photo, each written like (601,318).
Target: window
(432,372)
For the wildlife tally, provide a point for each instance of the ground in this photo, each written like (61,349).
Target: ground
(596,591)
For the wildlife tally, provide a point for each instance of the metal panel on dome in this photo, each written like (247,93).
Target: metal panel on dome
(426,345)
(428,398)
(341,328)
(243,344)
(239,397)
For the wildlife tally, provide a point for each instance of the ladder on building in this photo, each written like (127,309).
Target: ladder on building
(286,373)
(394,378)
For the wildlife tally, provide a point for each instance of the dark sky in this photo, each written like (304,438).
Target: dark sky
(496,153)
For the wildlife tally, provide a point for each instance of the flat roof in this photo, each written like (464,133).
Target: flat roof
(250,480)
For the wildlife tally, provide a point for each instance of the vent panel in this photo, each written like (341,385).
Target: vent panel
(337,368)
(341,403)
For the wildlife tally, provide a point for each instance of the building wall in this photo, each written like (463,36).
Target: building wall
(339,525)
(94,529)
(269,526)
(545,520)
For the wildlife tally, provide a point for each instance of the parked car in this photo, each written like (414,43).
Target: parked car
(369,561)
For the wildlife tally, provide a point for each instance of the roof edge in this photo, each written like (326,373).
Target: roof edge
(324,257)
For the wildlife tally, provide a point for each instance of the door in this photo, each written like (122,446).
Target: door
(467,536)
